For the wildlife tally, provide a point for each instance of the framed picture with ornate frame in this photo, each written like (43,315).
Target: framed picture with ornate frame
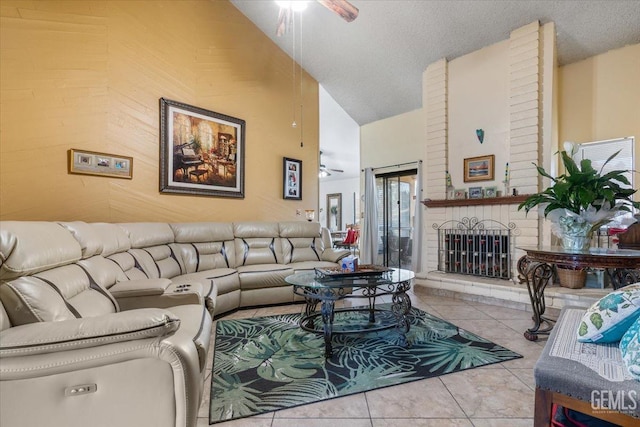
(201,151)
(479,168)
(291,179)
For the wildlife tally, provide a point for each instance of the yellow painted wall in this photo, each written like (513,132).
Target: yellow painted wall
(393,140)
(89,75)
(600,98)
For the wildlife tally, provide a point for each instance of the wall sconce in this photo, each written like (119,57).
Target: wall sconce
(310,214)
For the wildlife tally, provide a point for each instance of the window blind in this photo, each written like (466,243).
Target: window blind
(600,151)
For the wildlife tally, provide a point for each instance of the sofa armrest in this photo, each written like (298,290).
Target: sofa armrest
(142,287)
(148,373)
(334,255)
(48,337)
(156,293)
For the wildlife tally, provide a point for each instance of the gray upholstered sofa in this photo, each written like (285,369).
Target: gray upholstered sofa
(110,324)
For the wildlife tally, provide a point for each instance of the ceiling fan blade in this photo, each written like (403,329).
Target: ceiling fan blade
(336,170)
(346,10)
(284,21)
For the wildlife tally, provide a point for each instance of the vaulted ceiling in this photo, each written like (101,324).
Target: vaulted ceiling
(373,66)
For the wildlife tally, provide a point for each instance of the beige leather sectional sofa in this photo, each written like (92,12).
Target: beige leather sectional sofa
(110,324)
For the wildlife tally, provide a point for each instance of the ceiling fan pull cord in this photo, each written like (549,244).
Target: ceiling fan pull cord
(293,67)
(301,96)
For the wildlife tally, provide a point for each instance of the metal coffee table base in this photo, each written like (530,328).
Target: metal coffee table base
(378,318)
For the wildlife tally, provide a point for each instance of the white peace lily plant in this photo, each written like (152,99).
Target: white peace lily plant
(581,200)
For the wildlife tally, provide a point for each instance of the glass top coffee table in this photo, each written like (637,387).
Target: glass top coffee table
(327,290)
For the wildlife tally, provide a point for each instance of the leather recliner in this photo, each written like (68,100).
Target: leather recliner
(69,356)
(110,324)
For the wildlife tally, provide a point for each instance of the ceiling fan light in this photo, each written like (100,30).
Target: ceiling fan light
(296,5)
(323,174)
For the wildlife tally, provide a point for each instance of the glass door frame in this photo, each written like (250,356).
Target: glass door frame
(386,219)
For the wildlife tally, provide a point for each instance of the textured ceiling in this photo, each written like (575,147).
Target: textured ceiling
(373,66)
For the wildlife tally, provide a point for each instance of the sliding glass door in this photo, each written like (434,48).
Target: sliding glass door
(396,207)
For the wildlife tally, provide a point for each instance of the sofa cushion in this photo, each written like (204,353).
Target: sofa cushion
(255,229)
(200,232)
(114,239)
(129,265)
(201,256)
(103,271)
(29,247)
(310,265)
(61,293)
(258,250)
(147,234)
(87,237)
(263,276)
(299,229)
(79,290)
(157,261)
(610,317)
(630,349)
(28,300)
(298,249)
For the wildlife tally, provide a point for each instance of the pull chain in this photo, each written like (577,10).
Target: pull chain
(301,97)
(293,66)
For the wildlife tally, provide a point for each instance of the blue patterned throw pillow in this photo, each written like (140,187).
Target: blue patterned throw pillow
(610,317)
(630,349)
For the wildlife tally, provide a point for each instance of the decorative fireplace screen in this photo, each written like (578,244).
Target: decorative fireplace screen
(480,248)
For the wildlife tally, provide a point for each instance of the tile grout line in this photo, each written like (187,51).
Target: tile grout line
(455,400)
(368,409)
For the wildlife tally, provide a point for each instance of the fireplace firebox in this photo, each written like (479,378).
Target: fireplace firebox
(475,247)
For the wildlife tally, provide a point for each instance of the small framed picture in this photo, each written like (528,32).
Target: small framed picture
(100,164)
(475,192)
(490,192)
(292,179)
(459,193)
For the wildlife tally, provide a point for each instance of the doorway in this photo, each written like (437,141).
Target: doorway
(396,206)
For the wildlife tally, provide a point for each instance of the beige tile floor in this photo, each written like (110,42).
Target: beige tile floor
(498,395)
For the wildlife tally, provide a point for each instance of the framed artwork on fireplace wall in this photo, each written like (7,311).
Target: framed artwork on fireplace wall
(479,168)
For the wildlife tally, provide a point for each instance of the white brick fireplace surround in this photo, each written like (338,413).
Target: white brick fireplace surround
(526,113)
(508,293)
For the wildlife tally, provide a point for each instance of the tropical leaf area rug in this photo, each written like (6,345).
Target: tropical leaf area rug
(268,363)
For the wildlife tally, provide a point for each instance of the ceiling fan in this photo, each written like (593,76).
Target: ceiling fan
(343,8)
(325,171)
